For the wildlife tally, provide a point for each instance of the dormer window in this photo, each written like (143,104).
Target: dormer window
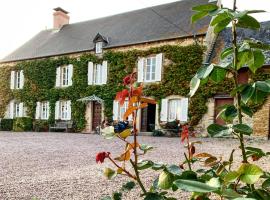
(99,46)
(100,41)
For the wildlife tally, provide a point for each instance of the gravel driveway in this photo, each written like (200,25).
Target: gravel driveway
(62,166)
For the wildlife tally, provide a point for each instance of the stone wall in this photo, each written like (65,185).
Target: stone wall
(261,120)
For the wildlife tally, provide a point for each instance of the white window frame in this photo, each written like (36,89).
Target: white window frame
(17,79)
(44,110)
(63,110)
(97,74)
(64,76)
(16,109)
(99,47)
(174,109)
(151,64)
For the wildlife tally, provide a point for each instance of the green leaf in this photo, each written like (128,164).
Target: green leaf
(230,193)
(247,93)
(165,180)
(257,61)
(222,25)
(243,198)
(216,130)
(174,169)
(205,7)
(145,164)
(194,85)
(218,74)
(262,86)
(220,17)
(247,110)
(266,184)
(145,148)
(250,173)
(258,96)
(153,196)
(231,176)
(194,186)
(255,11)
(117,196)
(214,182)
(198,16)
(158,166)
(242,128)
(245,57)
(108,132)
(228,113)
(226,53)
(188,175)
(109,173)
(128,186)
(247,21)
(204,71)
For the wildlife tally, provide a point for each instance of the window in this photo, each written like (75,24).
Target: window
(15,109)
(63,110)
(17,80)
(64,76)
(149,69)
(97,73)
(99,47)
(174,109)
(42,110)
(119,111)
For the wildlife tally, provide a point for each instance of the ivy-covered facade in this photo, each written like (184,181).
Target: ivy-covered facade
(79,87)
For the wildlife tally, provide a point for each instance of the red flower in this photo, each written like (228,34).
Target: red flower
(100,157)
(184,134)
(121,96)
(127,80)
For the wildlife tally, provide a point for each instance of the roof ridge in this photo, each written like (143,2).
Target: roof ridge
(128,12)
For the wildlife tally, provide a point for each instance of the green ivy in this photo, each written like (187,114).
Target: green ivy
(180,66)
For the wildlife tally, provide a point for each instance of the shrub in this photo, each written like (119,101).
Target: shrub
(41,125)
(6,124)
(23,124)
(158,133)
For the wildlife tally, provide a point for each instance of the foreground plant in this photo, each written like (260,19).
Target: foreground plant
(216,177)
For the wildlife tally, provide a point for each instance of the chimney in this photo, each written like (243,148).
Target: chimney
(60,18)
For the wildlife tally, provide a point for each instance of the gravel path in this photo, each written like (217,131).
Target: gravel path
(62,166)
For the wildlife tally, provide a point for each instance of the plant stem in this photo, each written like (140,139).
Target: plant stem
(235,76)
(138,177)
(189,165)
(135,133)
(124,170)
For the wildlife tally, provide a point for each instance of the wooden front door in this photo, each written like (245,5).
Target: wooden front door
(148,117)
(97,111)
(218,103)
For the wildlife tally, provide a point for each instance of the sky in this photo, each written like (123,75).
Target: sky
(20,20)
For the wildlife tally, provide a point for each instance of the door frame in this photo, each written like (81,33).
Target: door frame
(89,116)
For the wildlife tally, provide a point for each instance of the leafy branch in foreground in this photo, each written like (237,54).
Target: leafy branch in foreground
(203,174)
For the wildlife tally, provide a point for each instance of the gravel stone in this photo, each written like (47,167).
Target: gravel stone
(62,165)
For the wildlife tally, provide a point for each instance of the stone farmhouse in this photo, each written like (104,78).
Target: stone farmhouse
(71,73)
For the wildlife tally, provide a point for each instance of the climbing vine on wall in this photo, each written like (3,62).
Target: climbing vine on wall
(181,63)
